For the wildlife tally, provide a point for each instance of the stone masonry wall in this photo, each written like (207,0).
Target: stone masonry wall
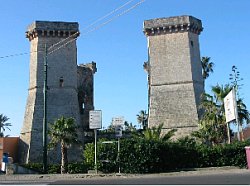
(175,81)
(62,94)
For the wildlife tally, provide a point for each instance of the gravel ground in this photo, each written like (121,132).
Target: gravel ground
(198,171)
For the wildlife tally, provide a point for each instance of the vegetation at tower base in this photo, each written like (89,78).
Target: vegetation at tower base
(3,124)
(243,113)
(144,156)
(64,132)
(213,128)
(139,155)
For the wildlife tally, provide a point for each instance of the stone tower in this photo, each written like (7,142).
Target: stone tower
(85,73)
(62,94)
(174,72)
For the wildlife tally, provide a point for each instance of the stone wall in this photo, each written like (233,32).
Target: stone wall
(175,74)
(62,92)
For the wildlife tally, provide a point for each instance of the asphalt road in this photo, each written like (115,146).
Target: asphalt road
(214,179)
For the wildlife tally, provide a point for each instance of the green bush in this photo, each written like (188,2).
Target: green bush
(73,168)
(138,155)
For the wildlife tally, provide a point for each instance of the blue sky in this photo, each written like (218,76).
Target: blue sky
(119,48)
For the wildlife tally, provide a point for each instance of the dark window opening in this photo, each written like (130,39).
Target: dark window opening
(192,43)
(61,82)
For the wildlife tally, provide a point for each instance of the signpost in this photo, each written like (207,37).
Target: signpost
(231,111)
(118,123)
(95,119)
(95,122)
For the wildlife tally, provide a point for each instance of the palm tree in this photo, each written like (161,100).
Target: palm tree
(154,134)
(211,124)
(3,124)
(129,126)
(142,118)
(64,132)
(243,114)
(220,92)
(207,67)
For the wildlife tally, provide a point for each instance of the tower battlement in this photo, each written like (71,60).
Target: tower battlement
(52,29)
(172,25)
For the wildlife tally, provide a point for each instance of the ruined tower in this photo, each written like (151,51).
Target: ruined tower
(85,73)
(62,93)
(175,73)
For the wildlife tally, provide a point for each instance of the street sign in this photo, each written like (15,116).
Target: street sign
(95,119)
(118,131)
(229,102)
(118,121)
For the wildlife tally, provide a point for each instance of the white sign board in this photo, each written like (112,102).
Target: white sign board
(118,121)
(118,131)
(95,119)
(229,104)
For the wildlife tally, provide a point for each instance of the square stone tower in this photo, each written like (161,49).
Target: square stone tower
(62,81)
(175,73)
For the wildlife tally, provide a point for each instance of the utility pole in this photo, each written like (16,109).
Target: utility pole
(45,167)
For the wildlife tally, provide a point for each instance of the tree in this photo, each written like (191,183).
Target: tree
(211,125)
(142,118)
(129,126)
(64,132)
(243,115)
(235,79)
(154,134)
(207,67)
(3,124)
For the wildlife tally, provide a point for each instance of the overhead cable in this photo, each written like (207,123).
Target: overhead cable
(91,30)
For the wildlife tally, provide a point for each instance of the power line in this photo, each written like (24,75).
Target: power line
(103,17)
(63,40)
(61,46)
(110,13)
(114,17)
(94,29)
(20,54)
(101,25)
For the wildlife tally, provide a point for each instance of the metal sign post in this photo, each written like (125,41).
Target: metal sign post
(95,122)
(118,134)
(118,156)
(95,131)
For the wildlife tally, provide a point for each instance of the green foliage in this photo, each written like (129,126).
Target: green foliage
(142,118)
(89,155)
(34,166)
(139,155)
(227,155)
(145,156)
(3,124)
(155,134)
(73,168)
(64,132)
(77,167)
(207,67)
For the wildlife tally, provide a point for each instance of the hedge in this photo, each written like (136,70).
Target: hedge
(138,155)
(143,156)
